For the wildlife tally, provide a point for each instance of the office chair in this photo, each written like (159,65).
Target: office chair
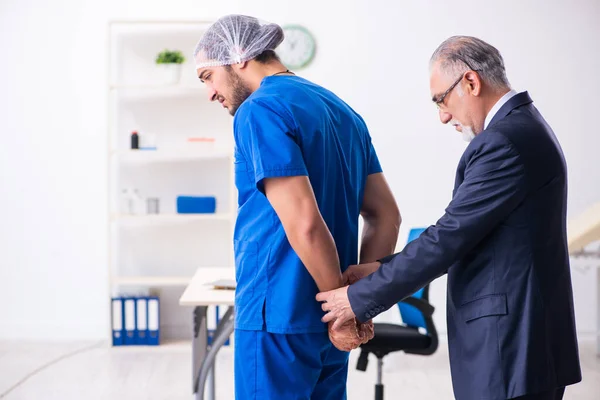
(416,313)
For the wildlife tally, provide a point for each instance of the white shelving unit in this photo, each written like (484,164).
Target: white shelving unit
(192,153)
(159,253)
(163,219)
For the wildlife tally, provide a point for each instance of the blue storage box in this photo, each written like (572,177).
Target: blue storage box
(196,205)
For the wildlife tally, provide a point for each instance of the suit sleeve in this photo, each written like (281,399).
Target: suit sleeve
(494,185)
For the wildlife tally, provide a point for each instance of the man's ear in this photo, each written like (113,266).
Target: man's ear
(473,83)
(240,66)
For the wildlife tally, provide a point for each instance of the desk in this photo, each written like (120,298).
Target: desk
(200,295)
(590,265)
(583,231)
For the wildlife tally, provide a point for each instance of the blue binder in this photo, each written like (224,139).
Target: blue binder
(117,321)
(141,321)
(153,337)
(129,320)
(196,204)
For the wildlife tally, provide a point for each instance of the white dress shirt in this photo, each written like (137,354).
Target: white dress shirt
(498,106)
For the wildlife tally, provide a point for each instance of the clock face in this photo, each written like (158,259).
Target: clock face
(298,48)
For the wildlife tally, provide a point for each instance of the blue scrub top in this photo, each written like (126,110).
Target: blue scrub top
(290,127)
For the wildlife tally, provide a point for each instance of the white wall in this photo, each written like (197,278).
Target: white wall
(53,126)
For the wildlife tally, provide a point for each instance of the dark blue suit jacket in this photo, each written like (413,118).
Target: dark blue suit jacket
(502,241)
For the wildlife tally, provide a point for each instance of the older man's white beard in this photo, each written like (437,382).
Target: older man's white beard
(467,134)
(466,131)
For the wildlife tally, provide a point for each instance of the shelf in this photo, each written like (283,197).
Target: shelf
(195,152)
(154,91)
(158,86)
(162,219)
(154,86)
(155,27)
(152,280)
(229,272)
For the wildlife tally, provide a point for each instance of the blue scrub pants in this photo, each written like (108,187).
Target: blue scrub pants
(291,367)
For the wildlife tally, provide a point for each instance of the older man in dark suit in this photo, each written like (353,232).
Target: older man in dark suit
(502,241)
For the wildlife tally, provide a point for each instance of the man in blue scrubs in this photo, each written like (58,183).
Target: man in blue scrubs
(305,169)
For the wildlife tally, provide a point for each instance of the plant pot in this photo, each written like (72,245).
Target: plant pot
(171,73)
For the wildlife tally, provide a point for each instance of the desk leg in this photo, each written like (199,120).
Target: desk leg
(199,348)
(203,356)
(212,392)
(598,312)
(223,332)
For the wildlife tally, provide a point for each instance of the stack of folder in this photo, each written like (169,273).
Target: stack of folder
(135,321)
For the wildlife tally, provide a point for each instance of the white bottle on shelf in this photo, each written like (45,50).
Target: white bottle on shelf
(132,201)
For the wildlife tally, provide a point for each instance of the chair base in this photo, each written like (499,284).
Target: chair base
(378,391)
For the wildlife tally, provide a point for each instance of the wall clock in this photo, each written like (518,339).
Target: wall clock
(298,48)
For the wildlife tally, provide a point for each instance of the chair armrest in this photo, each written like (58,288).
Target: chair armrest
(421,305)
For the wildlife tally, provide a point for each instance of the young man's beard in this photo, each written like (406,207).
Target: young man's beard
(239,91)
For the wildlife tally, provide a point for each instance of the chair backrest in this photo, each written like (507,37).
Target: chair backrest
(410,315)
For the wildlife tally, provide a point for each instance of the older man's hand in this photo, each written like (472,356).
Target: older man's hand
(337,306)
(345,331)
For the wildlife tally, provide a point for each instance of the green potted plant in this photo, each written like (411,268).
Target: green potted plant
(170,62)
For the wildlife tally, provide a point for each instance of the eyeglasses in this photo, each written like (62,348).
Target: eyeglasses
(439,101)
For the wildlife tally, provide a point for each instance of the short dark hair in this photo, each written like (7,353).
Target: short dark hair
(267,56)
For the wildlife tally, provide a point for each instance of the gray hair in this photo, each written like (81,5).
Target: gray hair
(461,53)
